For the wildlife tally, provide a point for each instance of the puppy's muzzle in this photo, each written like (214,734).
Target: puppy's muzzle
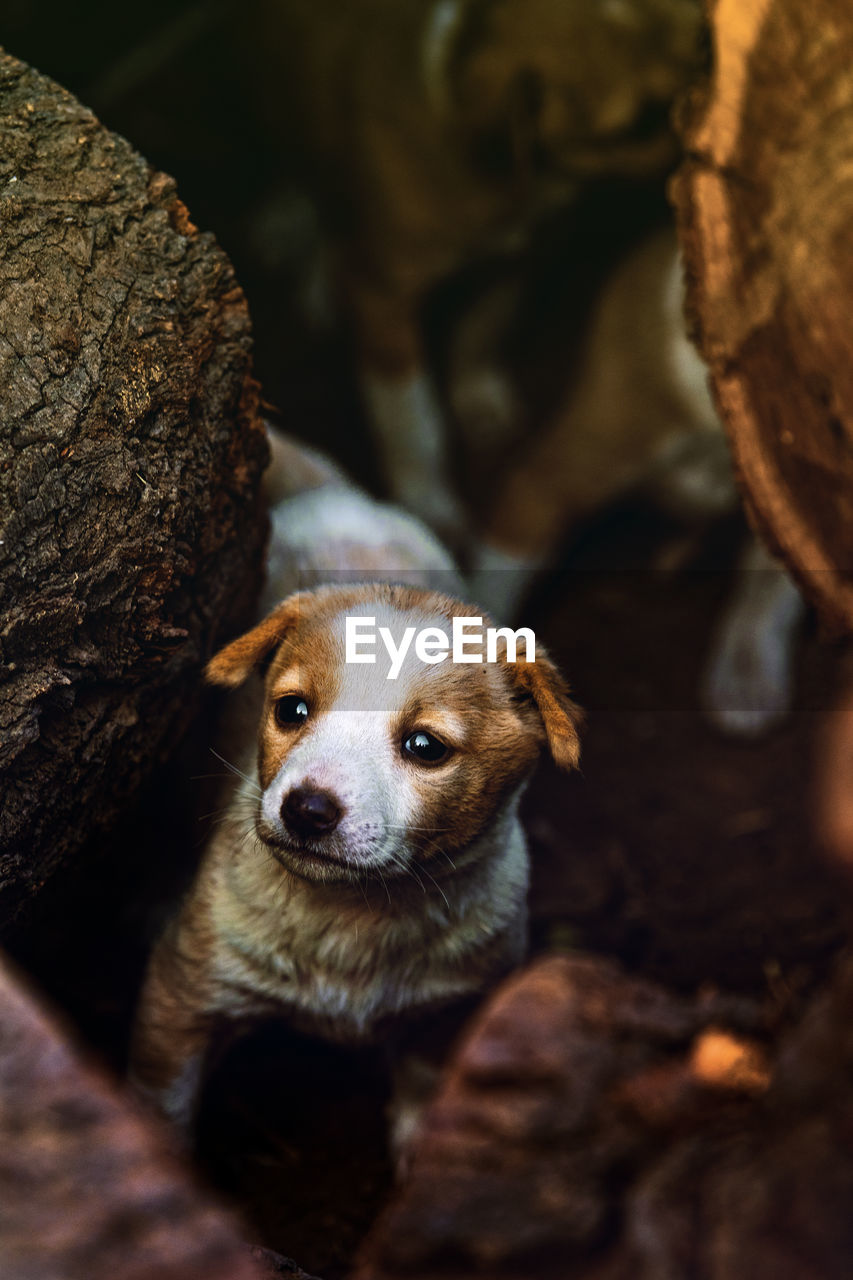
(310,813)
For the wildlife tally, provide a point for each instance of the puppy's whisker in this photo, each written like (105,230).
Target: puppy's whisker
(437,885)
(433,846)
(232,768)
(219,813)
(409,871)
(207,777)
(240,809)
(404,826)
(444,854)
(384,885)
(360,884)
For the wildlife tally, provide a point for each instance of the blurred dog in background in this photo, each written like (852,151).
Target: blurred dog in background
(637,415)
(434,132)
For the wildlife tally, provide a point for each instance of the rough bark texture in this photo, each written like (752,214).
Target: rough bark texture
(130,455)
(567,1086)
(89,1190)
(765,215)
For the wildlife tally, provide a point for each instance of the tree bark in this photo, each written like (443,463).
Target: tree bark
(766,211)
(130,456)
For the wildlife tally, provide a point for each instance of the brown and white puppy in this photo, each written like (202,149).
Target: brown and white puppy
(371,863)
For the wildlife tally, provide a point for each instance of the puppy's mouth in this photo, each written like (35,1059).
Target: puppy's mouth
(309,859)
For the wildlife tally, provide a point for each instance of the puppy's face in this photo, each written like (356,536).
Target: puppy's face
(363,775)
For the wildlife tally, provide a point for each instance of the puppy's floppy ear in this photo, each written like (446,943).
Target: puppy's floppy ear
(561,717)
(233,664)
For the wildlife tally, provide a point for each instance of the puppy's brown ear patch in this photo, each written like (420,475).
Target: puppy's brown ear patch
(234,664)
(561,717)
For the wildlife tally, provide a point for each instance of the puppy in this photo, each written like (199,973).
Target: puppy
(371,865)
(433,131)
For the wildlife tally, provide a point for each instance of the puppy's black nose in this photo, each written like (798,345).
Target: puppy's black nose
(310,813)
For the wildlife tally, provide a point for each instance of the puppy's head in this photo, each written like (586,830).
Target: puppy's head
(365,775)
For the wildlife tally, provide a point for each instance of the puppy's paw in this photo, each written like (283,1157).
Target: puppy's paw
(271,1263)
(748,684)
(174,1096)
(177,1131)
(415,1081)
(404,1131)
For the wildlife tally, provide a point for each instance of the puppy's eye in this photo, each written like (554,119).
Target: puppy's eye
(424,748)
(291,710)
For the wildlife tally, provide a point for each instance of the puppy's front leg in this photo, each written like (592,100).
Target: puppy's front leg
(749,681)
(402,406)
(174,1023)
(414,1081)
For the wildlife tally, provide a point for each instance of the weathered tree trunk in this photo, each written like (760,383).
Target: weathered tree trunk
(130,457)
(766,221)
